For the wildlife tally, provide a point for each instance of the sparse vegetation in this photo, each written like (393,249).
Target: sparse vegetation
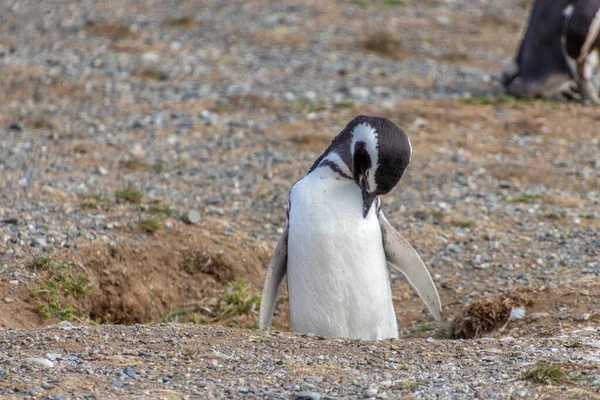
(96,201)
(554,215)
(134,164)
(116,30)
(461,223)
(158,167)
(384,44)
(81,148)
(344,104)
(183,22)
(488,313)
(379,3)
(43,124)
(156,207)
(235,301)
(548,373)
(150,225)
(129,194)
(152,73)
(57,283)
(524,198)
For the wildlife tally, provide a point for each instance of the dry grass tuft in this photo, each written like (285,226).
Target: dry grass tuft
(152,73)
(116,30)
(186,21)
(548,373)
(486,314)
(384,44)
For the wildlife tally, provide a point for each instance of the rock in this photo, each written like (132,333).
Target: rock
(386,384)
(8,300)
(40,242)
(243,389)
(193,217)
(101,170)
(419,123)
(216,210)
(307,395)
(370,392)
(313,378)
(289,97)
(52,356)
(310,96)
(16,126)
(585,292)
(359,93)
(44,362)
(489,358)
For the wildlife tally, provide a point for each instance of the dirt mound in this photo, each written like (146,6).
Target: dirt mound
(190,272)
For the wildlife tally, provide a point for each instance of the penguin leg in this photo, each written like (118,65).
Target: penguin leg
(402,256)
(587,71)
(275,272)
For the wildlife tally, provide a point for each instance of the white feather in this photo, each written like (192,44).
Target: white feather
(338,280)
(366,133)
(337,160)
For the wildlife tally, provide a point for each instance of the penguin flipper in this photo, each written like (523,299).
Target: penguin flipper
(402,256)
(275,272)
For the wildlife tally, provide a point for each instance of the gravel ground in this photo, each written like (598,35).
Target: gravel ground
(213,109)
(190,361)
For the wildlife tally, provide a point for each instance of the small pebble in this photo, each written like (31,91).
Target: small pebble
(44,362)
(193,217)
(129,371)
(307,395)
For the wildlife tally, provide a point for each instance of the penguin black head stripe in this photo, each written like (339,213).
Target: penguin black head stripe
(371,150)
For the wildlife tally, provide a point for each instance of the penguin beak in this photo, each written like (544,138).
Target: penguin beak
(368,198)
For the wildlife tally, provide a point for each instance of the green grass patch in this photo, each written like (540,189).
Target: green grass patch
(183,22)
(344,104)
(306,107)
(524,198)
(43,124)
(150,225)
(461,223)
(379,3)
(134,164)
(554,215)
(157,207)
(505,99)
(96,201)
(57,285)
(159,167)
(549,373)
(129,194)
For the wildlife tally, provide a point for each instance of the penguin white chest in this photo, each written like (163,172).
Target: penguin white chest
(338,279)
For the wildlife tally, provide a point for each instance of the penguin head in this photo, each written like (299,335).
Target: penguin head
(380,153)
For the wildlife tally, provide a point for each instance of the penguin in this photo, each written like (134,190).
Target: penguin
(581,45)
(337,243)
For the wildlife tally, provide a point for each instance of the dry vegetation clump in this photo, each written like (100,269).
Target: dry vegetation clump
(486,314)
(383,43)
